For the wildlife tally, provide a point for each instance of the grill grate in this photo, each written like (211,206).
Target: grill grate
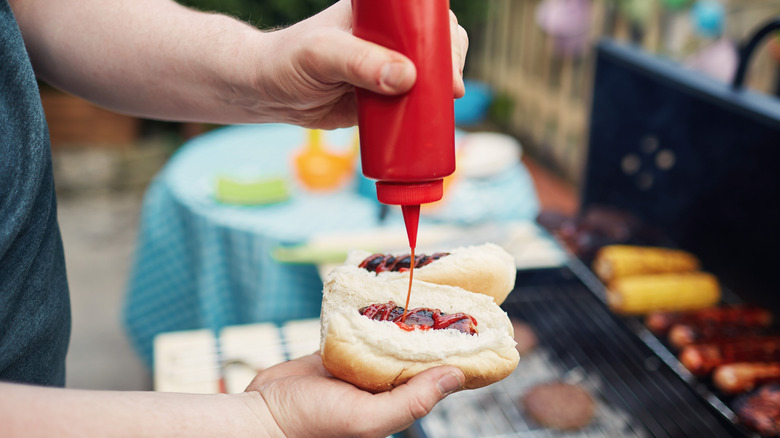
(580,340)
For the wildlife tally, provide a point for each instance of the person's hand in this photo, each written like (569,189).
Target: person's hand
(305,400)
(319,61)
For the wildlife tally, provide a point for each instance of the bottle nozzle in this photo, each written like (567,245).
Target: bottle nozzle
(411,220)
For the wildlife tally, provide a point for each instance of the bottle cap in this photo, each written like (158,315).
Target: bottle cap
(411,193)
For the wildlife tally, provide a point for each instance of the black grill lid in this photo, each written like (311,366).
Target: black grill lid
(694,156)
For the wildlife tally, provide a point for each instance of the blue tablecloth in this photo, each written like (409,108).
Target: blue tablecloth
(203,264)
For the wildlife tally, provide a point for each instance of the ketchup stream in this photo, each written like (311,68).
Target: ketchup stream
(412,221)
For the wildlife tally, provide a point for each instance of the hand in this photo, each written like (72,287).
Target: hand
(305,400)
(311,83)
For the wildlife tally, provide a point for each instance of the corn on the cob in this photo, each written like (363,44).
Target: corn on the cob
(617,261)
(678,291)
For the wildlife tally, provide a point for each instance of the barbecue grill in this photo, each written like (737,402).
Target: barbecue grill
(697,158)
(637,392)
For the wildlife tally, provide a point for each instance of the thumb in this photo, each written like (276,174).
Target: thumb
(343,57)
(415,399)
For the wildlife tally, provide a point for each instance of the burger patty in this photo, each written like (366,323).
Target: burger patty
(524,336)
(559,405)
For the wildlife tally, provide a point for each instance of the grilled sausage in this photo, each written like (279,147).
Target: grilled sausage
(385,262)
(420,318)
(740,316)
(760,411)
(744,376)
(702,359)
(681,335)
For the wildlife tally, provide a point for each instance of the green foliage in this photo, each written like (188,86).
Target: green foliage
(267,14)
(264,14)
(471,13)
(501,109)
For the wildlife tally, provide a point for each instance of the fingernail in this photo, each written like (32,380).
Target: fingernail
(393,74)
(449,383)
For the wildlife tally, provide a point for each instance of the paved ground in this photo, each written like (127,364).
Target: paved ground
(99,234)
(98,217)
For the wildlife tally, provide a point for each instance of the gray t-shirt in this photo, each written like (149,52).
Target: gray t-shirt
(34,303)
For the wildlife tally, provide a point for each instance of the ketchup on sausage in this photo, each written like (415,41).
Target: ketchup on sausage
(422,318)
(381,262)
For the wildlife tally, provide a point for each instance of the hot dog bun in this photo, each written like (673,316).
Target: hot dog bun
(379,355)
(486,269)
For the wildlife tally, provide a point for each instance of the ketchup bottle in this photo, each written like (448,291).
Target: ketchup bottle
(407,142)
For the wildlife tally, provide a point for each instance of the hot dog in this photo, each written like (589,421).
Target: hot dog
(744,376)
(386,262)
(760,410)
(740,316)
(486,269)
(422,318)
(363,343)
(702,359)
(681,335)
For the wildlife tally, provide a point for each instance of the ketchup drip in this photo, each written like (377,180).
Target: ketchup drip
(411,220)
(409,292)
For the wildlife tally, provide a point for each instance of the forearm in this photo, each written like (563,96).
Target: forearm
(152,58)
(37,411)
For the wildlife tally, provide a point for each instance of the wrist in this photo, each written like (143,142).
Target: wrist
(260,420)
(263,89)
(242,62)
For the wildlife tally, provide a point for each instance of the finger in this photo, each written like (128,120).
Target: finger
(460,45)
(414,399)
(342,57)
(343,114)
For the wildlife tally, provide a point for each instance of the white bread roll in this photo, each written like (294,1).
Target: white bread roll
(379,355)
(486,269)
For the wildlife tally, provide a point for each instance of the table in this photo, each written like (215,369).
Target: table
(187,361)
(200,263)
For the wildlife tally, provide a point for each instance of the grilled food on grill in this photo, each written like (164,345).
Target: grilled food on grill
(524,336)
(617,261)
(595,227)
(760,411)
(681,335)
(702,359)
(646,293)
(735,316)
(744,376)
(559,405)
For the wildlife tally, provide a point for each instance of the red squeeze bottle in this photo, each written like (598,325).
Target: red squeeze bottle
(407,142)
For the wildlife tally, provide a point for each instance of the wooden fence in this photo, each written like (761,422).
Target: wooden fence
(550,93)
